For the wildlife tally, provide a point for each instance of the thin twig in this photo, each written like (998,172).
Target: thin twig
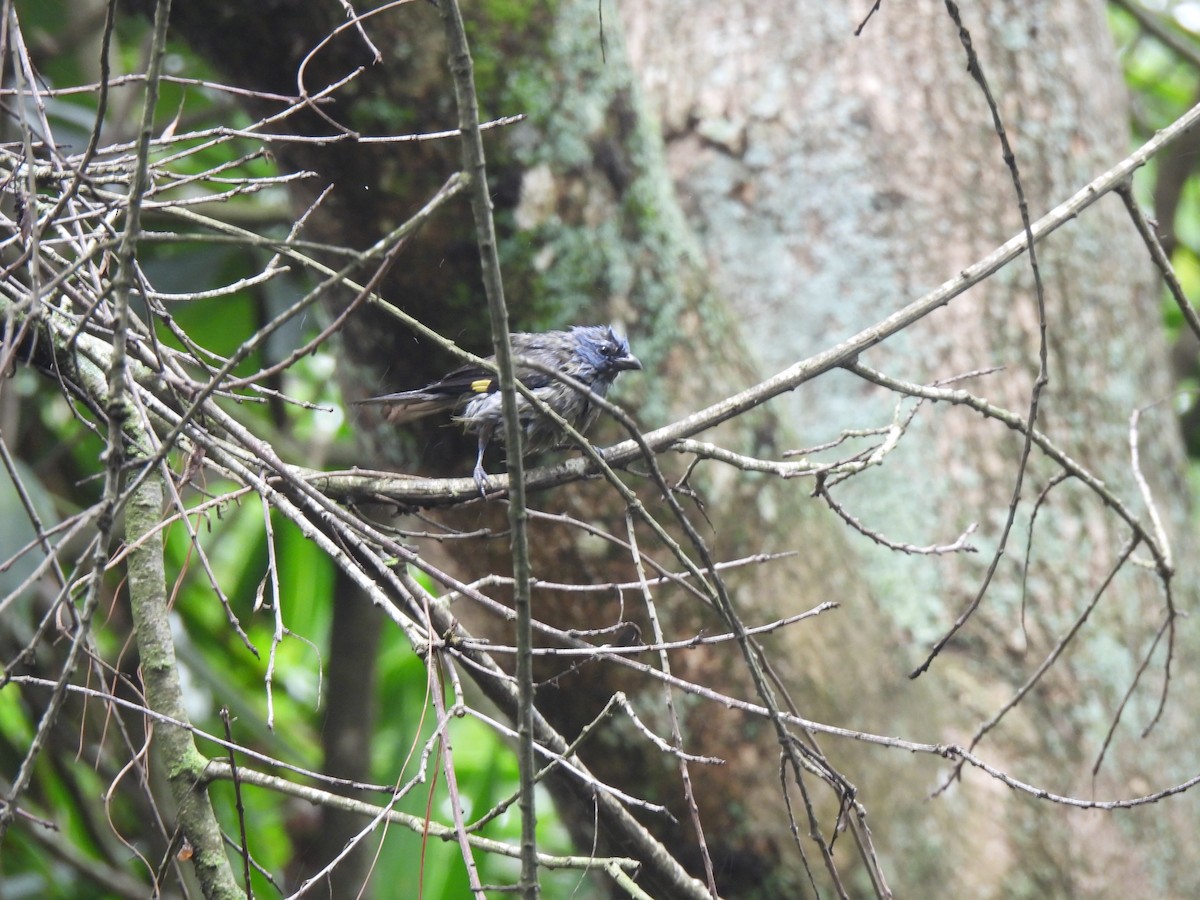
(1043,374)
(475,169)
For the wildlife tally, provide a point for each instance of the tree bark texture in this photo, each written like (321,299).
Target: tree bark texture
(833,178)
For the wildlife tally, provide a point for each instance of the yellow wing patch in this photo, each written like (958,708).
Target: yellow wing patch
(481,385)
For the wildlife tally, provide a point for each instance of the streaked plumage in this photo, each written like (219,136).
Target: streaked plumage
(594,355)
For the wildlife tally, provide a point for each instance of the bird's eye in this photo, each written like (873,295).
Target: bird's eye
(608,350)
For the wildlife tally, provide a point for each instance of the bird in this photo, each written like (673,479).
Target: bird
(593,355)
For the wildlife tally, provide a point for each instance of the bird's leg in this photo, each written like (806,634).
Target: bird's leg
(485,435)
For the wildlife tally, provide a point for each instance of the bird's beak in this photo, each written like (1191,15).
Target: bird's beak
(628,362)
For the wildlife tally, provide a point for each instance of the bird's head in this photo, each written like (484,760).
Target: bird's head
(604,351)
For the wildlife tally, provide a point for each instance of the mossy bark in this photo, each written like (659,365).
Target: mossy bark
(175,749)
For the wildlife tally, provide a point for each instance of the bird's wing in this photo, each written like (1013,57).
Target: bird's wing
(472,379)
(458,386)
(439,396)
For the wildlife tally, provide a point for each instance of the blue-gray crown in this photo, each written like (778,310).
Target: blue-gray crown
(604,350)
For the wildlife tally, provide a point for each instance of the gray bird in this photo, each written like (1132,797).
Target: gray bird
(593,355)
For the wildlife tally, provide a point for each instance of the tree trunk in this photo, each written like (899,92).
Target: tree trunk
(834,178)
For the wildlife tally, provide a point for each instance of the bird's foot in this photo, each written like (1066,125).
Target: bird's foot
(480,480)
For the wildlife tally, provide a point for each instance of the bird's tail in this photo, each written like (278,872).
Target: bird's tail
(407,406)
